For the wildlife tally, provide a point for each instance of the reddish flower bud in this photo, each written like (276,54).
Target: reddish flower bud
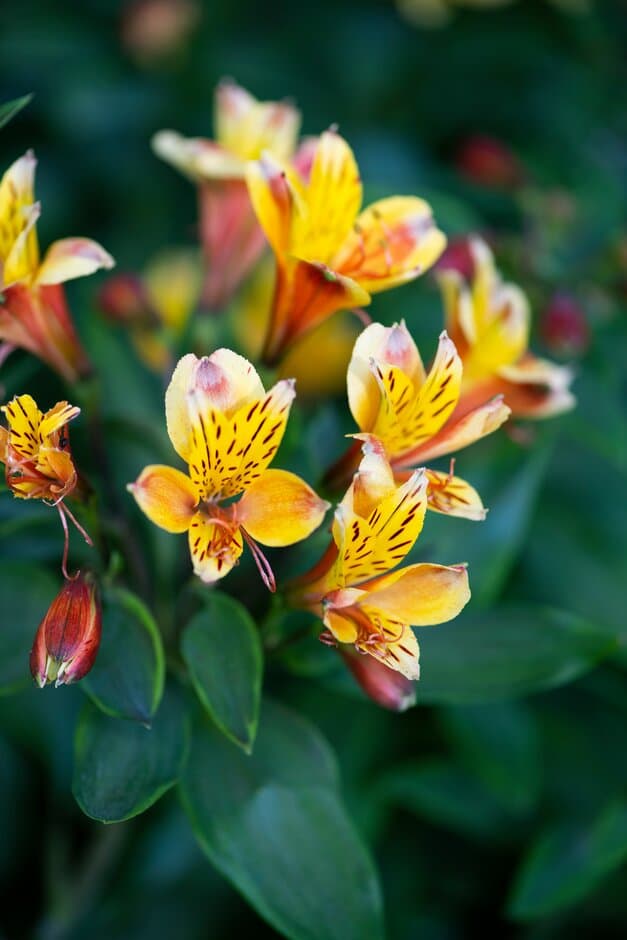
(68,637)
(385,686)
(564,327)
(458,257)
(123,298)
(489,162)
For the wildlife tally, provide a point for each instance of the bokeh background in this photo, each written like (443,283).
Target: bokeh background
(499,803)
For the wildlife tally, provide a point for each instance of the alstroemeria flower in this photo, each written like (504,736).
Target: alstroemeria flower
(33,309)
(157,305)
(35,449)
(329,254)
(227,428)
(488,320)
(353,590)
(245,128)
(412,412)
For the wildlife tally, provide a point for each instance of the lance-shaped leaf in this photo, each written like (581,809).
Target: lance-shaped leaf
(273,824)
(222,650)
(11,108)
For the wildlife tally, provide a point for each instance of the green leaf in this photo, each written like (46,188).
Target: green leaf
(25,595)
(273,824)
(11,108)
(223,652)
(445,794)
(120,767)
(568,862)
(127,679)
(506,653)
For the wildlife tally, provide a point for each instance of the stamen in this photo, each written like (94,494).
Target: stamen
(263,565)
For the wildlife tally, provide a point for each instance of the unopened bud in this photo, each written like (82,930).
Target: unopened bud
(385,686)
(123,298)
(68,637)
(564,326)
(489,162)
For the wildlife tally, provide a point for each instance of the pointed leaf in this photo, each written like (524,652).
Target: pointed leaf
(223,653)
(11,108)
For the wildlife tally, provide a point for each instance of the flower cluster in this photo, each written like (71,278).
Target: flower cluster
(259,189)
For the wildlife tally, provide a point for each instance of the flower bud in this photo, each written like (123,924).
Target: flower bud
(68,637)
(564,327)
(385,686)
(123,299)
(489,162)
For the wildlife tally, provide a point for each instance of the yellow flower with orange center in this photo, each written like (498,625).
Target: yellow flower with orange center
(489,322)
(245,128)
(329,254)
(413,414)
(33,310)
(227,429)
(361,600)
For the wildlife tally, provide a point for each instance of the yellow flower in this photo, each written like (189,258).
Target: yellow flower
(413,413)
(353,590)
(489,322)
(329,254)
(35,449)
(245,128)
(227,429)
(33,311)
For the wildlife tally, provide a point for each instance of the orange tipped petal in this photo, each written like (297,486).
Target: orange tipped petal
(393,241)
(420,595)
(280,509)
(167,496)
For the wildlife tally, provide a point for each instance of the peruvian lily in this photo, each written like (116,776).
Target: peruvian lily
(33,309)
(231,238)
(488,320)
(329,254)
(227,428)
(35,449)
(413,413)
(353,589)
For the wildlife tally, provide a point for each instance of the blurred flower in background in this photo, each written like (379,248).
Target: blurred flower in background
(153,30)
(245,128)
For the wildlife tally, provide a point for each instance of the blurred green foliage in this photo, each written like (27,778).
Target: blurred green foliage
(498,803)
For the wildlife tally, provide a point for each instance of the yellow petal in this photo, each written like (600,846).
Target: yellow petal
(173,282)
(167,496)
(458,308)
(214,548)
(393,241)
(197,157)
(246,127)
(54,419)
(372,545)
(72,257)
(279,509)
(373,481)
(228,454)
(24,419)
(276,196)
(385,345)
(453,496)
(420,595)
(19,250)
(333,200)
(401,654)
(458,433)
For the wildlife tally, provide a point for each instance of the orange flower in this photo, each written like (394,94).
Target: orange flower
(33,310)
(231,238)
(329,254)
(488,321)
(227,428)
